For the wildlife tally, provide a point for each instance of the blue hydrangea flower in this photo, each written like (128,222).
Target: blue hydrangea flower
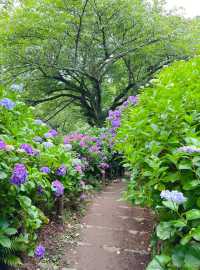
(17,87)
(19,175)
(45,170)
(38,122)
(174,196)
(189,149)
(48,144)
(37,139)
(7,103)
(58,188)
(40,252)
(68,147)
(61,171)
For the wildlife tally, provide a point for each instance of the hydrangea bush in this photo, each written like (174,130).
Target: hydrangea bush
(36,170)
(161,143)
(94,150)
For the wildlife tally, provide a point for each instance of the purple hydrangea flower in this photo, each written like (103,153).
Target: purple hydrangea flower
(132,100)
(104,165)
(78,168)
(82,144)
(7,103)
(58,188)
(45,170)
(125,104)
(83,197)
(19,175)
(28,149)
(94,149)
(114,114)
(61,171)
(40,252)
(115,123)
(48,144)
(189,149)
(174,196)
(103,136)
(2,145)
(40,190)
(51,133)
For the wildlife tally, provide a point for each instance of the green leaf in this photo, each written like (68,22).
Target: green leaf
(186,239)
(159,262)
(165,230)
(178,255)
(25,201)
(10,231)
(191,184)
(196,233)
(171,205)
(3,175)
(192,257)
(5,241)
(185,165)
(192,214)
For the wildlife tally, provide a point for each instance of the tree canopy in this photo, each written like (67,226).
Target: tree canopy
(92,53)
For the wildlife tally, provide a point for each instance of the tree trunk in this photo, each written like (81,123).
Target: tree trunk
(59,209)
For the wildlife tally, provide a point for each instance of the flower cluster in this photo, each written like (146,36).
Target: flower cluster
(7,103)
(79,168)
(114,117)
(28,149)
(2,145)
(19,175)
(39,251)
(61,171)
(17,87)
(51,133)
(189,149)
(48,144)
(38,122)
(104,165)
(58,188)
(174,196)
(45,170)
(94,149)
(37,139)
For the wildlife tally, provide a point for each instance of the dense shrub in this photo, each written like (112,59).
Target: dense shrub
(160,140)
(38,175)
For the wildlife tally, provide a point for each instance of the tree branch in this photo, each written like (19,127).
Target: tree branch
(61,109)
(38,101)
(79,31)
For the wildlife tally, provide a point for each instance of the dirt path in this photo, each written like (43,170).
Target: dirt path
(114,235)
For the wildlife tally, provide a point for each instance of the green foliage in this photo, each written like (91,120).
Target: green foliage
(92,54)
(160,141)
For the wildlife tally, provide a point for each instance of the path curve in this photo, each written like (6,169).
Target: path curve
(114,235)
